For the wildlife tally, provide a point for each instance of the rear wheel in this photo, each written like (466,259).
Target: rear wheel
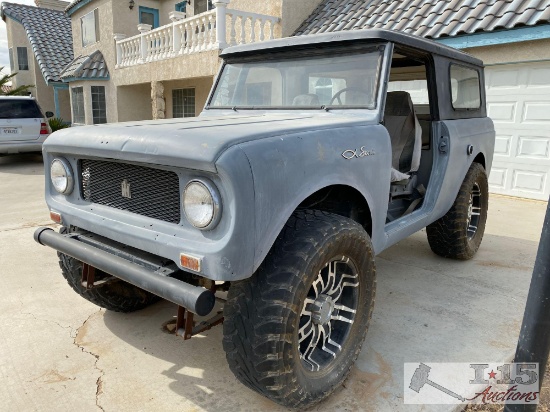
(293,330)
(118,296)
(458,234)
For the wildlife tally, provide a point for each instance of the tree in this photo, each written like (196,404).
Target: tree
(18,91)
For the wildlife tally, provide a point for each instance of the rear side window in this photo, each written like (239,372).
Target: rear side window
(465,90)
(19,109)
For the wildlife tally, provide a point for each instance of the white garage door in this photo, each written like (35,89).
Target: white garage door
(518,101)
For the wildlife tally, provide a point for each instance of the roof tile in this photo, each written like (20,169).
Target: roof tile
(428,18)
(49,33)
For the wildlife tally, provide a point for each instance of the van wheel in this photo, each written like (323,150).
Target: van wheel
(458,234)
(118,296)
(294,329)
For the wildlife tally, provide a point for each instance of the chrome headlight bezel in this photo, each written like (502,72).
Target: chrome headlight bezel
(69,176)
(216,203)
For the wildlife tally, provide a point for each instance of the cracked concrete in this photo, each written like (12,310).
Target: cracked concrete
(78,341)
(60,352)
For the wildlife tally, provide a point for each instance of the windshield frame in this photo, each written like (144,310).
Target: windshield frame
(341,49)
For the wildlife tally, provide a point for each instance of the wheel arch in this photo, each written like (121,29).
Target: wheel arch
(480,158)
(343,200)
(333,198)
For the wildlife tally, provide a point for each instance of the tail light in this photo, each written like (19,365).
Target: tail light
(44,129)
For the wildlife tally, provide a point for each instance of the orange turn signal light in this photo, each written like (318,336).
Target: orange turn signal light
(56,217)
(190,262)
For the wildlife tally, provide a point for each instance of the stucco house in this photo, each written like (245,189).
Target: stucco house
(512,37)
(40,46)
(154,59)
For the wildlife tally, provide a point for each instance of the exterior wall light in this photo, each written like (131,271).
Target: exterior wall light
(131,4)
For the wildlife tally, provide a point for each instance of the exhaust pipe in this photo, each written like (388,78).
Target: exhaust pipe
(196,299)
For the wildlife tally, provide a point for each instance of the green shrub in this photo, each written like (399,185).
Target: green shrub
(57,123)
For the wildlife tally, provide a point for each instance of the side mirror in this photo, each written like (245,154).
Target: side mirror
(49,115)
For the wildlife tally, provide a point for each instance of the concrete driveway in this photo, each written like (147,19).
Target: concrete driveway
(59,352)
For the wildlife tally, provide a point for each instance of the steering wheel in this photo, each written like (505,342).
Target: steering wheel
(344,90)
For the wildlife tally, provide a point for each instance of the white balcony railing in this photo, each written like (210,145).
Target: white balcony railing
(213,30)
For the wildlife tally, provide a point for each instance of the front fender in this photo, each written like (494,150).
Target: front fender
(289,168)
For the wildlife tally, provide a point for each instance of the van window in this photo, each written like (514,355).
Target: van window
(465,88)
(19,109)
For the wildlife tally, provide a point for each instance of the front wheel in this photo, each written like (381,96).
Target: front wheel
(458,234)
(293,330)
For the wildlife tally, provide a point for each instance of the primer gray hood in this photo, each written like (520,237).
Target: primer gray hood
(192,143)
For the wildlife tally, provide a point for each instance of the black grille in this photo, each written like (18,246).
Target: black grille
(152,192)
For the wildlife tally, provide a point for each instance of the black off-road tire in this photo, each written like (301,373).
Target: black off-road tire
(449,236)
(118,296)
(262,313)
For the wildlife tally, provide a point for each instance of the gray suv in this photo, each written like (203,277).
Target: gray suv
(312,155)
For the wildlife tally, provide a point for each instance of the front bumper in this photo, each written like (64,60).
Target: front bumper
(137,270)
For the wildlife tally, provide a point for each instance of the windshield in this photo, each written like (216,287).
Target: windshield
(19,109)
(311,82)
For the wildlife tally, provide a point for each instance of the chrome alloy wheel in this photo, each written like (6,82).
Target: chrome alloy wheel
(328,313)
(474,211)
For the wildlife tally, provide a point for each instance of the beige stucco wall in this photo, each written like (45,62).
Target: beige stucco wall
(513,53)
(42,92)
(134,102)
(187,66)
(110,97)
(64,99)
(18,38)
(202,88)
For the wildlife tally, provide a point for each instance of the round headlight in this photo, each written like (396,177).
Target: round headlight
(201,204)
(61,175)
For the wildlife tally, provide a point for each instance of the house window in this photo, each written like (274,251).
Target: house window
(89,24)
(99,106)
(78,105)
(203,5)
(181,7)
(183,102)
(149,16)
(22,58)
(12,63)
(465,89)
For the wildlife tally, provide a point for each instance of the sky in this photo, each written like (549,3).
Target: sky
(4,56)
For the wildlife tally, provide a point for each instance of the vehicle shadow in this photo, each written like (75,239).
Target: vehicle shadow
(428,309)
(22,164)
(198,375)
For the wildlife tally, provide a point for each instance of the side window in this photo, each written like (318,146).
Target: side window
(149,16)
(181,7)
(12,62)
(22,58)
(78,105)
(89,24)
(99,106)
(465,91)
